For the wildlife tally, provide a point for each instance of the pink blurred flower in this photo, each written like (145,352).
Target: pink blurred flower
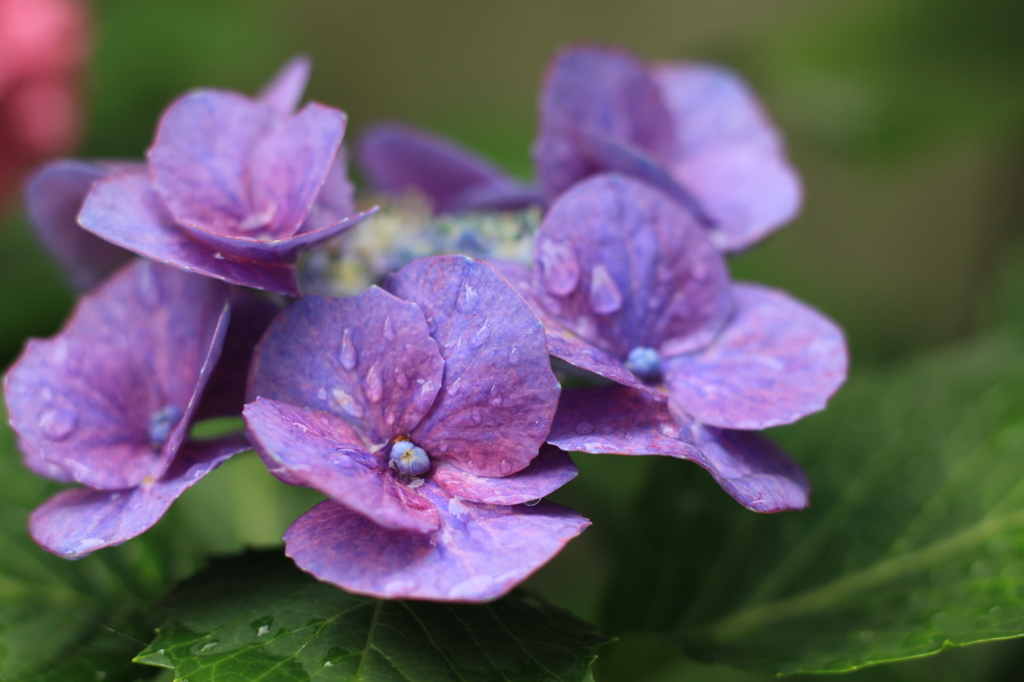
(43,46)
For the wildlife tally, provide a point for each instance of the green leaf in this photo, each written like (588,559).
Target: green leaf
(914,541)
(257,616)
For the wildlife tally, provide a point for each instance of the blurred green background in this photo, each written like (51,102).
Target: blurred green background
(905,117)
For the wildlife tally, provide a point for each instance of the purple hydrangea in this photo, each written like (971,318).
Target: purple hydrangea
(108,402)
(630,288)
(234,187)
(396,157)
(419,411)
(694,130)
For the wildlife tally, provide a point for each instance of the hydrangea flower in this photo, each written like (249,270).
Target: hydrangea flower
(694,130)
(630,288)
(43,47)
(108,402)
(236,187)
(396,157)
(55,192)
(419,412)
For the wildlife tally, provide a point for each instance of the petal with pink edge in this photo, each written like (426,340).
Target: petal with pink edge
(200,157)
(316,449)
(776,361)
(285,89)
(76,522)
(53,197)
(479,553)
(143,343)
(368,359)
(621,265)
(335,202)
(728,153)
(548,472)
(126,211)
(618,420)
(499,393)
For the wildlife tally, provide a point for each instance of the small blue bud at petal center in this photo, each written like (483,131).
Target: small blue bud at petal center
(160,424)
(409,459)
(645,363)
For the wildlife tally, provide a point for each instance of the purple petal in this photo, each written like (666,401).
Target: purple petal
(35,463)
(289,166)
(126,211)
(549,471)
(479,553)
(397,157)
(284,90)
(251,314)
(200,158)
(728,153)
(752,469)
(619,421)
(621,265)
(591,91)
(499,393)
(368,359)
(776,361)
(335,202)
(83,400)
(578,353)
(78,521)
(308,447)
(53,197)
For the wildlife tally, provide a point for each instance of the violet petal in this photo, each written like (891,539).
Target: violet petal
(308,447)
(125,210)
(593,91)
(499,393)
(621,265)
(35,463)
(368,359)
(479,553)
(395,157)
(285,89)
(147,339)
(200,157)
(53,197)
(776,361)
(728,153)
(78,521)
(335,202)
(289,166)
(752,469)
(549,471)
(620,421)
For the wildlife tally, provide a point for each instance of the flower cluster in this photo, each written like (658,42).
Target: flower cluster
(43,46)
(424,406)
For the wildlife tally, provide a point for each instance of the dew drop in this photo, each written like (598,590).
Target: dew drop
(389,330)
(468,299)
(583,428)
(505,468)
(322,393)
(668,430)
(479,338)
(263,631)
(218,255)
(208,647)
(149,286)
(401,378)
(514,356)
(561,271)
(348,356)
(431,324)
(373,385)
(495,397)
(477,416)
(605,297)
(57,423)
(346,403)
(531,503)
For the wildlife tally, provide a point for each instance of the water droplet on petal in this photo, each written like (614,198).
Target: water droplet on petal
(149,286)
(495,397)
(348,356)
(467,299)
(431,325)
(559,265)
(345,401)
(401,378)
(389,329)
(513,356)
(218,255)
(583,428)
(57,423)
(374,386)
(505,468)
(479,338)
(605,297)
(668,430)
(531,503)
(477,416)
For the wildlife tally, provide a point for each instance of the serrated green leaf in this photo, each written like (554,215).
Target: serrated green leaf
(259,617)
(914,541)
